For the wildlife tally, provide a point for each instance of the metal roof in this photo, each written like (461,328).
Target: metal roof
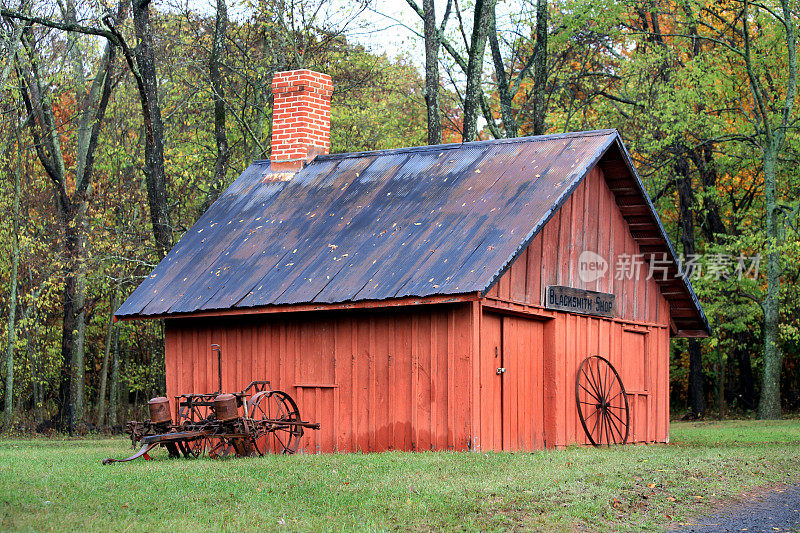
(424,221)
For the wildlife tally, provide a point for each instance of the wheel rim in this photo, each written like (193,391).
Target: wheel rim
(275,406)
(602,402)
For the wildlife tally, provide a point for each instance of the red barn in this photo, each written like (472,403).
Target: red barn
(436,297)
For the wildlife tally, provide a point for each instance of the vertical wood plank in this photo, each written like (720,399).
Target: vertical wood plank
(344,378)
(578,216)
(566,255)
(490,405)
(442,378)
(372,404)
(475,393)
(415,354)
(554,336)
(404,371)
(171,339)
(392,385)
(363,364)
(535,287)
(459,404)
(606,227)
(452,365)
(519,275)
(434,421)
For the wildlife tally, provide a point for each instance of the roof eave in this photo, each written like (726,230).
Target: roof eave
(312,307)
(704,326)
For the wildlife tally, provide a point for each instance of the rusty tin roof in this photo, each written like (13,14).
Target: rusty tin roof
(424,221)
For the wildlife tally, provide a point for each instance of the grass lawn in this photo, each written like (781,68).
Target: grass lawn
(61,485)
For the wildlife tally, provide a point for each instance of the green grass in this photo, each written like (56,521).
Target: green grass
(61,485)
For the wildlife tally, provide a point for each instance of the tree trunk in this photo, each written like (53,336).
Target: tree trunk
(769,405)
(540,68)
(686,220)
(154,129)
(72,207)
(73,330)
(101,396)
(696,397)
(8,408)
(69,320)
(432,72)
(746,385)
(36,386)
(484,15)
(113,393)
(503,89)
(36,378)
(713,225)
(216,60)
(721,379)
(79,352)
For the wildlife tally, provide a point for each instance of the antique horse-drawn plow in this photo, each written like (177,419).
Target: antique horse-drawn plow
(255,421)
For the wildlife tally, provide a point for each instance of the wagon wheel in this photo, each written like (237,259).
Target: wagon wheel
(269,409)
(602,402)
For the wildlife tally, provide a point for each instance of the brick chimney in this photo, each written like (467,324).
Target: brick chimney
(301,118)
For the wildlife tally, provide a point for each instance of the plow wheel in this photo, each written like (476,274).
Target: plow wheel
(602,402)
(195,448)
(269,409)
(219,447)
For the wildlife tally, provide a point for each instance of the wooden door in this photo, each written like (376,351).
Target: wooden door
(491,382)
(522,384)
(512,386)
(636,379)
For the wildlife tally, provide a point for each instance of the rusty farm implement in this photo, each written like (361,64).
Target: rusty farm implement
(255,421)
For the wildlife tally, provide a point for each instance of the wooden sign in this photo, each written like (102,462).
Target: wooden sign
(579,301)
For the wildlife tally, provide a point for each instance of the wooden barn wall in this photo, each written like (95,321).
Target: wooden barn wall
(640,355)
(374,381)
(532,405)
(636,341)
(588,220)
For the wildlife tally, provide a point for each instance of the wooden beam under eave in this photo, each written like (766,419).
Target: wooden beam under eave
(299,308)
(653,249)
(642,226)
(614,167)
(633,210)
(669,293)
(630,201)
(649,241)
(683,312)
(692,333)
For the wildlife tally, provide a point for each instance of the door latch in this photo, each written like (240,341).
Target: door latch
(501,370)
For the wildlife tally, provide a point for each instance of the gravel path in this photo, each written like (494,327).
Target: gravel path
(771,510)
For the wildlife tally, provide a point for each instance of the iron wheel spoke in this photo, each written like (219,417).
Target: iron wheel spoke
(598,380)
(590,393)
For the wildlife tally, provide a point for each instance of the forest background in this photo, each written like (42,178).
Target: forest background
(122,122)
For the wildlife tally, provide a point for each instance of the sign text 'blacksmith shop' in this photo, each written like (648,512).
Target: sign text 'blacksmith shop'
(579,301)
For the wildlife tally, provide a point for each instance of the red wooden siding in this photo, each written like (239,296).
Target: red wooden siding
(640,355)
(636,341)
(588,220)
(374,381)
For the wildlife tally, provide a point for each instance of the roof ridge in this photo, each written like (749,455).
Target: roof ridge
(453,146)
